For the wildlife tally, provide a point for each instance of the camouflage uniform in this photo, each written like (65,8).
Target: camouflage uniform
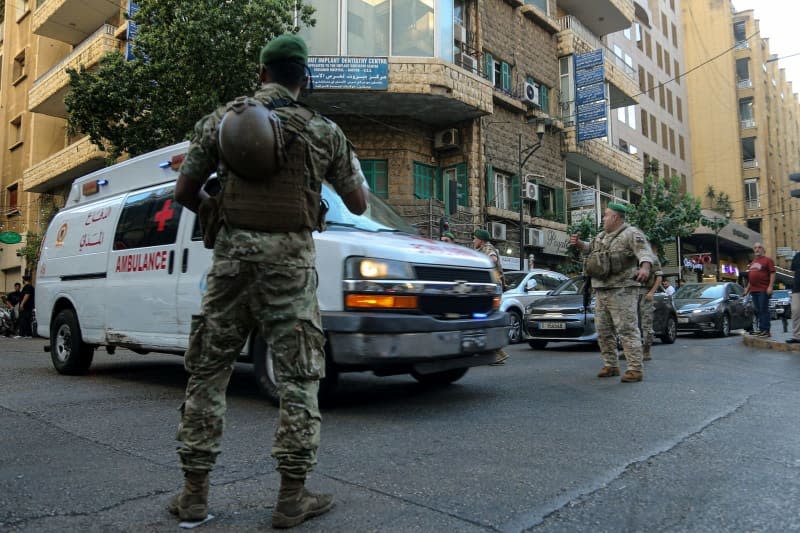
(489,249)
(646,309)
(616,306)
(266,282)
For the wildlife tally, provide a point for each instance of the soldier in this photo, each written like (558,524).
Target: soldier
(262,275)
(480,241)
(647,307)
(448,236)
(619,260)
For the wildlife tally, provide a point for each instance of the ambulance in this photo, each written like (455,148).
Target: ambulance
(123,266)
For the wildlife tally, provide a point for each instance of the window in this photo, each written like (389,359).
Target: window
(455,176)
(667,67)
(15,132)
(567,91)
(323,39)
(23,8)
(684,184)
(739,32)
(638,29)
(651,87)
(367,28)
(423,180)
(12,200)
(661,97)
(648,45)
(669,101)
(412,28)
(672,141)
(642,80)
(377,173)
(681,148)
(746,112)
(504,191)
(18,73)
(544,94)
(664,25)
(679,109)
(659,56)
(653,129)
(148,218)
(551,204)
(677,71)
(664,138)
(498,72)
(541,4)
(667,171)
(674,36)
(627,115)
(644,122)
(751,194)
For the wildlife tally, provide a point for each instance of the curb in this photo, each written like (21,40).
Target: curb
(770,344)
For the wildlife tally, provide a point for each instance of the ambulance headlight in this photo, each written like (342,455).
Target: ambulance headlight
(368,268)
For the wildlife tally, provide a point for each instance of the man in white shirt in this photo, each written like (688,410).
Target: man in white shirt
(668,288)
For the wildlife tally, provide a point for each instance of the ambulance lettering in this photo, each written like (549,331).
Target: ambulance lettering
(143,262)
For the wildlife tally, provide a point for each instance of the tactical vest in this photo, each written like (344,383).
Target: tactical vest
(282,202)
(602,262)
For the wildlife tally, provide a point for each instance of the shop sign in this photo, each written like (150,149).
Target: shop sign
(555,242)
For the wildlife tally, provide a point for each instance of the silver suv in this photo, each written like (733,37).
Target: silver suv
(522,288)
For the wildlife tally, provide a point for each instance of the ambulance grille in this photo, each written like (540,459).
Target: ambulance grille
(433,273)
(455,306)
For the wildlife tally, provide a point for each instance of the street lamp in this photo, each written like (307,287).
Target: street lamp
(524,155)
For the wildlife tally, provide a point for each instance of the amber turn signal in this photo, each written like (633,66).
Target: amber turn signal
(380,301)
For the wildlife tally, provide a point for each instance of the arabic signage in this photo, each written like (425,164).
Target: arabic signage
(576,215)
(555,242)
(133,8)
(581,198)
(338,72)
(591,120)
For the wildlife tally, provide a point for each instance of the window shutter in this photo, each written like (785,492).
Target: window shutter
(559,207)
(438,185)
(488,66)
(506,71)
(489,185)
(463,187)
(515,199)
(544,98)
(537,211)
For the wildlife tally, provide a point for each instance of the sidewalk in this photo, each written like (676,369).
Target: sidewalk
(776,342)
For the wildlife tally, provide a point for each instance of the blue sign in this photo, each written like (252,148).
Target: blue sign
(592,93)
(589,59)
(592,130)
(339,72)
(592,111)
(133,8)
(589,76)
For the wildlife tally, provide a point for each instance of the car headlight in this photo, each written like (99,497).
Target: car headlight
(706,309)
(369,268)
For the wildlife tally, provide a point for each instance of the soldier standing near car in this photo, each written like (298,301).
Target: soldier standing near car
(481,242)
(647,306)
(262,275)
(619,261)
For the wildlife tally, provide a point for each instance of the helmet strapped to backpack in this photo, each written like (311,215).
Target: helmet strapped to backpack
(251,140)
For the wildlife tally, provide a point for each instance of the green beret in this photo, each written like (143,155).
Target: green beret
(449,235)
(619,208)
(287,47)
(482,234)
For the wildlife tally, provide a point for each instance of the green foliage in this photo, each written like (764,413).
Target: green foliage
(190,57)
(665,213)
(30,251)
(586,230)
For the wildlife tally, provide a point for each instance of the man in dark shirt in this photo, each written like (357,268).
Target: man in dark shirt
(795,301)
(12,301)
(26,308)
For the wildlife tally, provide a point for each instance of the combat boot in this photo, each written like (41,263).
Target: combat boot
(631,376)
(191,503)
(608,371)
(296,504)
(500,357)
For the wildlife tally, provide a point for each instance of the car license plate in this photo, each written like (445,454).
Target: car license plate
(473,341)
(552,325)
(683,320)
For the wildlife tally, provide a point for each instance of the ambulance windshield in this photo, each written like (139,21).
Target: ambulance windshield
(379,216)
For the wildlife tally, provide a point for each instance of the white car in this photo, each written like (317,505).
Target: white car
(522,288)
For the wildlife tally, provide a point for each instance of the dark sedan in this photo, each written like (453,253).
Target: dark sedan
(713,308)
(560,317)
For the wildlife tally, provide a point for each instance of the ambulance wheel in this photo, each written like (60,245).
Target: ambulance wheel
(264,371)
(69,353)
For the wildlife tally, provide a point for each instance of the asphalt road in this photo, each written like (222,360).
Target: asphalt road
(708,442)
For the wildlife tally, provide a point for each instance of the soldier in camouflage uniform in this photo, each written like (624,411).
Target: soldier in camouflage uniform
(617,291)
(262,280)
(480,241)
(647,307)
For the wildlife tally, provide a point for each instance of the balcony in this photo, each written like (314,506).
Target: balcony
(744,84)
(601,16)
(72,21)
(749,163)
(574,38)
(64,166)
(597,155)
(747,123)
(430,90)
(47,93)
(752,203)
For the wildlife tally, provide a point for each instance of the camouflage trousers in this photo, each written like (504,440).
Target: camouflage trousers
(281,304)
(616,315)
(646,310)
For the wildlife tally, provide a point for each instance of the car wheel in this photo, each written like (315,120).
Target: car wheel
(537,345)
(70,355)
(724,326)
(670,331)
(515,327)
(264,372)
(440,379)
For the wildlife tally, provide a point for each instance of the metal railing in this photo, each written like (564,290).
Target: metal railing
(752,203)
(106,29)
(742,45)
(750,163)
(571,23)
(744,84)
(748,123)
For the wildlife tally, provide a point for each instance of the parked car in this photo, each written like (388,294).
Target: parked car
(713,308)
(561,317)
(522,288)
(780,304)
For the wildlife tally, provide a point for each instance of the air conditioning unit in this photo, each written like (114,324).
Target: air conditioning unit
(533,237)
(531,191)
(467,62)
(446,139)
(497,230)
(531,94)
(460,33)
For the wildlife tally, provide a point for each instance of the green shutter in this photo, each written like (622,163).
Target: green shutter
(488,65)
(515,193)
(559,207)
(544,98)
(489,185)
(463,186)
(438,185)
(506,70)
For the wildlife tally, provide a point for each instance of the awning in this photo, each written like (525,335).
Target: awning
(733,234)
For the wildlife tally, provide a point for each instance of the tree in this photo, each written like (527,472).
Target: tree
(189,57)
(586,228)
(664,212)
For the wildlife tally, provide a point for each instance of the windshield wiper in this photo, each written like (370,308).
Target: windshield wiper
(342,224)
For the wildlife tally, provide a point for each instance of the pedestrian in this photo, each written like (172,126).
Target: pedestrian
(668,288)
(262,275)
(647,306)
(795,300)
(26,305)
(12,302)
(482,243)
(760,280)
(619,260)
(448,236)
(681,282)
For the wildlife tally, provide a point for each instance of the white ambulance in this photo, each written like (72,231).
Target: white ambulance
(123,265)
